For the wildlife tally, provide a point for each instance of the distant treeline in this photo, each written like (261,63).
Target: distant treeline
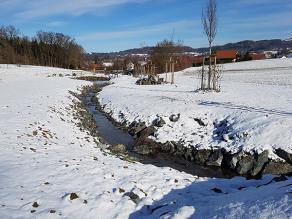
(45,49)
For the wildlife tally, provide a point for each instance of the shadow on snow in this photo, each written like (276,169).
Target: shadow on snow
(223,198)
(229,105)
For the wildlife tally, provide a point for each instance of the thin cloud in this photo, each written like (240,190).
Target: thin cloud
(276,20)
(56,24)
(142,31)
(261,2)
(37,9)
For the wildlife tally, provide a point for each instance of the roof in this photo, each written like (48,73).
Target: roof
(258,56)
(108,64)
(226,54)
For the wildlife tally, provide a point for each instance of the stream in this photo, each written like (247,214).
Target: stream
(112,135)
(107,130)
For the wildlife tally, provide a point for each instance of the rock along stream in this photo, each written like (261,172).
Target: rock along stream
(113,135)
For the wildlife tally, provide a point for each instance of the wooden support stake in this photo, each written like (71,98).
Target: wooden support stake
(172,73)
(214,74)
(166,70)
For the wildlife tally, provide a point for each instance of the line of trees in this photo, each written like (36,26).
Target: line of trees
(45,49)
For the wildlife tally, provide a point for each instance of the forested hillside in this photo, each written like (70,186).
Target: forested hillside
(280,45)
(45,48)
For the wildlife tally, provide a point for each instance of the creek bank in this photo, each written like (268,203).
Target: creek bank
(242,163)
(126,151)
(92,78)
(251,165)
(95,123)
(84,120)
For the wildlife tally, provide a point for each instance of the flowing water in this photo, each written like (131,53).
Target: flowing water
(107,130)
(111,134)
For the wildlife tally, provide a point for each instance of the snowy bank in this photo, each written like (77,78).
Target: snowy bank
(49,168)
(252,113)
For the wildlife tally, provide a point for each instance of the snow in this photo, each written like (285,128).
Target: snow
(235,199)
(45,157)
(255,102)
(108,64)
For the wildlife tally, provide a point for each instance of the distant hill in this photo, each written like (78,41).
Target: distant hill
(255,46)
(242,46)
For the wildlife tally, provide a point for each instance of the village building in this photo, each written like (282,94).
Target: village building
(198,60)
(226,56)
(257,56)
(107,65)
(187,61)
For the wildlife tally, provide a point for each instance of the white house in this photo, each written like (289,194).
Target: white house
(107,65)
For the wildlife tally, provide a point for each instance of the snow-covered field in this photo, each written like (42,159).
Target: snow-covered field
(255,102)
(44,157)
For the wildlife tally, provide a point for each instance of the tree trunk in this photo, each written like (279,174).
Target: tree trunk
(166,70)
(172,73)
(210,67)
(214,74)
(203,75)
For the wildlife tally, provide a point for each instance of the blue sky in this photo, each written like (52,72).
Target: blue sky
(114,25)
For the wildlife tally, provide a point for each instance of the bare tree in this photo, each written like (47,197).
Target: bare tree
(209,20)
(165,55)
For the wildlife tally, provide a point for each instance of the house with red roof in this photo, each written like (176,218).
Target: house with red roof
(224,56)
(187,61)
(257,56)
